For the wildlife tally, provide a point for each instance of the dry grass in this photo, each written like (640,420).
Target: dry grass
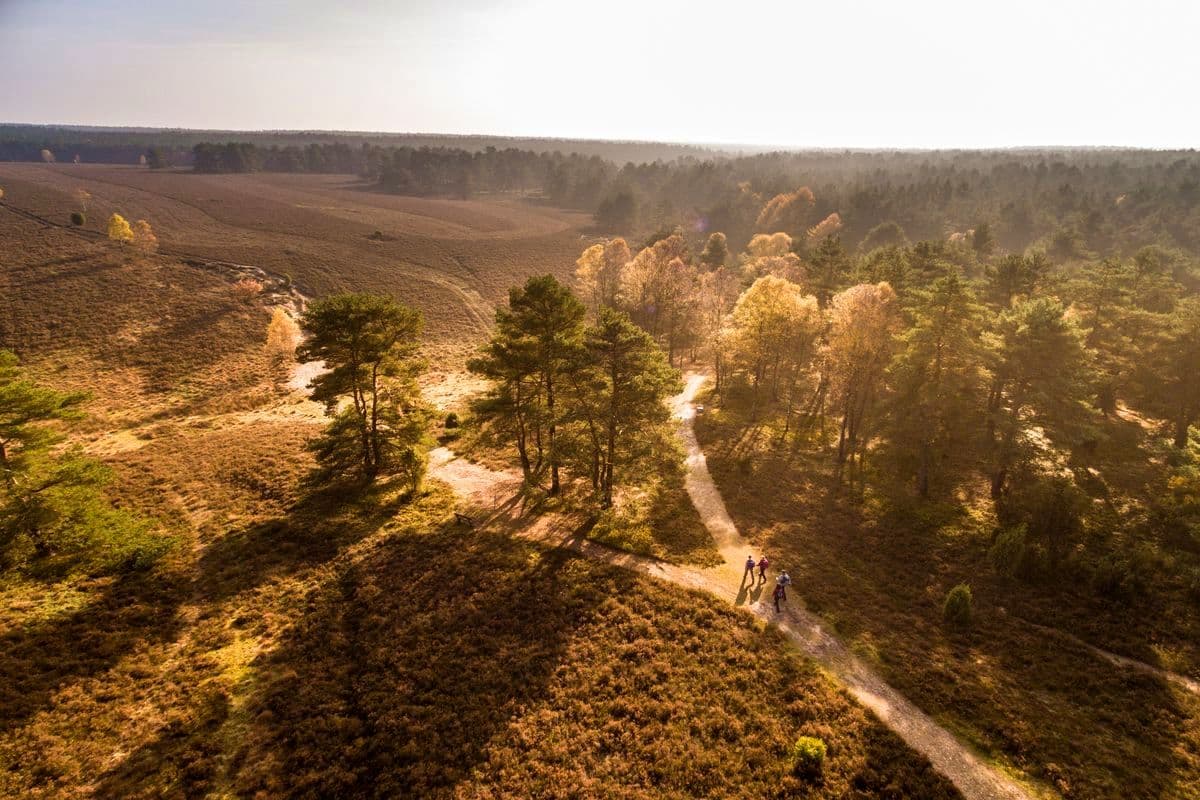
(878,570)
(452,664)
(453,260)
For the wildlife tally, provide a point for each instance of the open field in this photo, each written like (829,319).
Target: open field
(453,260)
(878,572)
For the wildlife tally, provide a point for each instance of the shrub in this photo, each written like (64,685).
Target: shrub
(1112,579)
(957,608)
(1051,509)
(1008,553)
(119,230)
(247,290)
(78,218)
(451,421)
(808,757)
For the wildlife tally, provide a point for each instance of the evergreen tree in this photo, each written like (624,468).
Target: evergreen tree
(982,240)
(829,269)
(369,346)
(1039,378)
(50,500)
(537,341)
(938,380)
(630,381)
(715,252)
(1169,373)
(1016,275)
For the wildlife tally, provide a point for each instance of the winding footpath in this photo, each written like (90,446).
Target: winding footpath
(490,494)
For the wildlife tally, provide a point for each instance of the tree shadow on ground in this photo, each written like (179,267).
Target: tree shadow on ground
(878,569)
(409,662)
(313,531)
(38,660)
(181,761)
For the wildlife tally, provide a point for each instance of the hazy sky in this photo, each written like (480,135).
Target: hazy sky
(903,73)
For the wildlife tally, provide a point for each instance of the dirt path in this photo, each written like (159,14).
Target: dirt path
(1125,662)
(491,497)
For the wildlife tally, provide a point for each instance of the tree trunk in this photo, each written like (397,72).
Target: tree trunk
(923,473)
(555,487)
(376,447)
(1181,432)
(999,479)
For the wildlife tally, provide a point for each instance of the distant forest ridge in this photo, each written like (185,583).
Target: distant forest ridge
(110,145)
(1074,204)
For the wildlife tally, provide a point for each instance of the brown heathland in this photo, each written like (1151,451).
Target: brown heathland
(311,646)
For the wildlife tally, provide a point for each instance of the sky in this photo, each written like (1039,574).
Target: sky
(841,73)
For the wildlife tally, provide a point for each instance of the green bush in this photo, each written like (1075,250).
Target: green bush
(451,421)
(1124,577)
(78,218)
(1051,509)
(808,757)
(1008,554)
(957,608)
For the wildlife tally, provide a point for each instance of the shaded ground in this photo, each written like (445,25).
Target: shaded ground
(876,570)
(485,490)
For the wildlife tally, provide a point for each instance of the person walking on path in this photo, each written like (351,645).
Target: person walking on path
(749,569)
(762,568)
(782,582)
(778,596)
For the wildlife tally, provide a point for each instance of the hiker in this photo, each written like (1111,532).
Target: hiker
(762,568)
(749,569)
(779,595)
(782,582)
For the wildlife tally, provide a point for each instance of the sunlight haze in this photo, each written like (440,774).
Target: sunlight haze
(848,74)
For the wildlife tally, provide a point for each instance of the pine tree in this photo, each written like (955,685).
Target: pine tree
(938,380)
(1039,377)
(630,383)
(369,345)
(50,499)
(536,342)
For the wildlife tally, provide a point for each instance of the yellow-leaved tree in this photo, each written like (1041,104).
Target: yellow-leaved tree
(775,327)
(826,227)
(599,272)
(863,321)
(283,336)
(144,238)
(769,244)
(788,211)
(770,254)
(119,230)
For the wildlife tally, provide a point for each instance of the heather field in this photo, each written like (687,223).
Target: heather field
(452,260)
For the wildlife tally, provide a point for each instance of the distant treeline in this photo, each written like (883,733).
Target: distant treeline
(1072,203)
(127,145)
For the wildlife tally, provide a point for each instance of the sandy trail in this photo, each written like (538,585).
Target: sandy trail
(491,497)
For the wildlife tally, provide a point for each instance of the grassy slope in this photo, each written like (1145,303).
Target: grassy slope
(879,571)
